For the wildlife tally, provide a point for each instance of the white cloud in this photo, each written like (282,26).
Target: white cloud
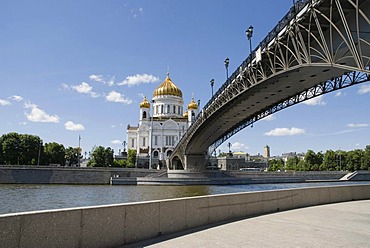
(100,79)
(319,100)
(358,125)
(239,146)
(39,115)
(84,88)
(69,125)
(65,86)
(285,131)
(139,79)
(16,98)
(269,118)
(340,93)
(111,82)
(114,96)
(23,123)
(4,102)
(97,78)
(363,89)
(116,142)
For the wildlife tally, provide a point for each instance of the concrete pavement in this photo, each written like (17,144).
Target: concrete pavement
(334,225)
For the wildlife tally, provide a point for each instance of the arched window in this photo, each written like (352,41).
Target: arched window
(168,109)
(174,109)
(155,154)
(144,115)
(162,109)
(169,153)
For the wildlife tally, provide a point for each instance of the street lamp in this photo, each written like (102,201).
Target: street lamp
(212,83)
(151,137)
(78,152)
(249,33)
(227,67)
(38,158)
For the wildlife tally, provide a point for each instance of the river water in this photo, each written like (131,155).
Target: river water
(29,197)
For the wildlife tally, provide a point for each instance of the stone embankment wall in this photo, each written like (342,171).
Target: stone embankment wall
(305,175)
(115,225)
(66,175)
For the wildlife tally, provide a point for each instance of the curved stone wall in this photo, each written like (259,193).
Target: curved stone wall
(114,225)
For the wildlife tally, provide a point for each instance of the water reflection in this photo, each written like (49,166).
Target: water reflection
(26,197)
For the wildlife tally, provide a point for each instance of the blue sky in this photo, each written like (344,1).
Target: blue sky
(70,68)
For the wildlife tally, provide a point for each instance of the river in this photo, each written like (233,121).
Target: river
(16,198)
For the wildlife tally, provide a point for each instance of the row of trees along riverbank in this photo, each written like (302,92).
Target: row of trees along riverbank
(25,149)
(329,161)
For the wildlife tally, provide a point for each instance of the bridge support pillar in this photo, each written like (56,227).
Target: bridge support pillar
(195,162)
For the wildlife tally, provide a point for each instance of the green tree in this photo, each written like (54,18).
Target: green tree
(276,164)
(329,162)
(11,148)
(20,148)
(291,163)
(31,148)
(73,154)
(101,157)
(301,166)
(365,164)
(131,158)
(120,163)
(354,159)
(223,154)
(54,153)
(313,160)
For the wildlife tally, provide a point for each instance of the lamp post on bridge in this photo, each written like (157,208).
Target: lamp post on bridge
(230,153)
(227,67)
(212,83)
(249,33)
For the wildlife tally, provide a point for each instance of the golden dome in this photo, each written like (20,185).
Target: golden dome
(167,88)
(185,115)
(192,104)
(145,103)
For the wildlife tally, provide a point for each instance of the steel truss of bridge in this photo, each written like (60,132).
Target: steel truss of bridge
(318,47)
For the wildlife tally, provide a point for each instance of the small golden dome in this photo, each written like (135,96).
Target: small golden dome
(185,115)
(192,104)
(167,88)
(145,103)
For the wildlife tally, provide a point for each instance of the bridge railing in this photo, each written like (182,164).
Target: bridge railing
(293,11)
(296,8)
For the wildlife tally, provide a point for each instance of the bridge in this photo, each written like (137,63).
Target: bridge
(318,47)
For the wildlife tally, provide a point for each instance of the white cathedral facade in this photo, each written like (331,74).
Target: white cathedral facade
(162,123)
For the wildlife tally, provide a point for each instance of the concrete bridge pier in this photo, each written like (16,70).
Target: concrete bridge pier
(195,162)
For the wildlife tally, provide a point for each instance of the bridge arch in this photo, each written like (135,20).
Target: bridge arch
(176,163)
(320,46)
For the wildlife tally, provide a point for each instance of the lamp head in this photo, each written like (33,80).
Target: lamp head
(249,32)
(227,62)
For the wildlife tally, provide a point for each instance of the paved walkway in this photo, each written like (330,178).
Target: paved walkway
(335,225)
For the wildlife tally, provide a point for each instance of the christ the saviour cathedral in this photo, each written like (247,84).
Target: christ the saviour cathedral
(164,115)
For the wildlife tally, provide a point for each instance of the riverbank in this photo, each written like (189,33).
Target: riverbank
(120,224)
(134,176)
(66,175)
(217,177)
